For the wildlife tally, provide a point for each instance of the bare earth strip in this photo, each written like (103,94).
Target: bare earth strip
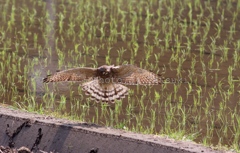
(42,133)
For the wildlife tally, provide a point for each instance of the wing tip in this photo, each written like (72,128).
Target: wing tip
(47,79)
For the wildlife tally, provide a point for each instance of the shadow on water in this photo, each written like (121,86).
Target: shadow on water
(38,37)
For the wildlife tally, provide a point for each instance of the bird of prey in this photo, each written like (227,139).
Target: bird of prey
(106,83)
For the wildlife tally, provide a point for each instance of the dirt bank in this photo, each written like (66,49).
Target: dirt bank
(47,134)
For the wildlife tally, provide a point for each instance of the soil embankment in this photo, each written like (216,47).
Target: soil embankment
(47,134)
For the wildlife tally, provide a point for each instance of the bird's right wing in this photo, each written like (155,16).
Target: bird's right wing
(133,75)
(75,74)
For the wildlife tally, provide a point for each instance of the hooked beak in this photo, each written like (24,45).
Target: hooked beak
(107,71)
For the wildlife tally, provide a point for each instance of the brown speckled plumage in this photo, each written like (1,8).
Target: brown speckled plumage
(104,83)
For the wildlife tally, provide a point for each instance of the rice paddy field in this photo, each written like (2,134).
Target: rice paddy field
(194,45)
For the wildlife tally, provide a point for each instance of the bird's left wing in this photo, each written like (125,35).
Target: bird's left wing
(75,74)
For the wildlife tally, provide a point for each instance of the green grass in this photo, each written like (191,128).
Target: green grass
(195,45)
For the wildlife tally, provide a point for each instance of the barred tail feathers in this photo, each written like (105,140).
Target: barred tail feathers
(105,92)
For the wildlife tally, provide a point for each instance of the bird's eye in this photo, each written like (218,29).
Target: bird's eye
(102,69)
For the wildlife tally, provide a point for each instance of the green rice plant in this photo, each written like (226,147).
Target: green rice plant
(190,12)
(235,122)
(84,113)
(181,60)
(95,52)
(236,59)
(232,31)
(139,121)
(169,118)
(149,52)
(206,30)
(60,23)
(211,61)
(152,120)
(135,47)
(157,96)
(204,75)
(210,128)
(224,50)
(175,88)
(62,103)
(230,79)
(219,27)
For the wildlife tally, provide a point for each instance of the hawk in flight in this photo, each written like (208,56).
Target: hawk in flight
(105,83)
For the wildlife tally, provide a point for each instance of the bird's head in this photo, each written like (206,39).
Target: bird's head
(105,70)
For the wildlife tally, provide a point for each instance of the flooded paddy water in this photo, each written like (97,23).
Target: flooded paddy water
(194,45)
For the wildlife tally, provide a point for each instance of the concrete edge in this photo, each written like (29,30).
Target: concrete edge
(90,136)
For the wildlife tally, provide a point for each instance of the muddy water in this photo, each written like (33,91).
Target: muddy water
(52,45)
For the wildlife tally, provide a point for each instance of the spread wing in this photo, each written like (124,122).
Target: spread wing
(132,75)
(75,74)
